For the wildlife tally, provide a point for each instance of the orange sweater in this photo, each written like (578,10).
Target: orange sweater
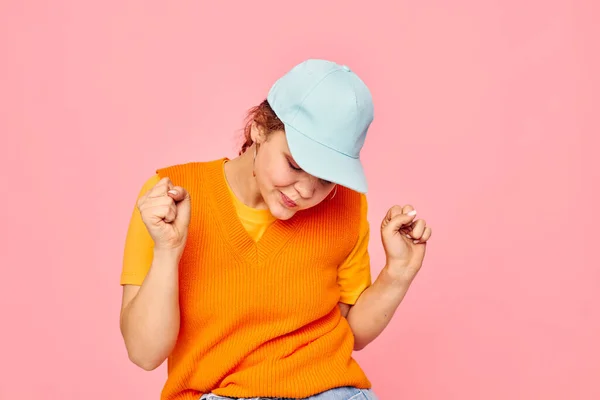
(261,318)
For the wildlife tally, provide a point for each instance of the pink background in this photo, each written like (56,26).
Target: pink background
(486,121)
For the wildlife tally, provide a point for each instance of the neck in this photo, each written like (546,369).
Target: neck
(238,173)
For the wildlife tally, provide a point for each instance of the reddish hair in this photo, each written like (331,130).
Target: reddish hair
(265,117)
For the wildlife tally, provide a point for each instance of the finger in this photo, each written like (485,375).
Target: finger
(183,209)
(407,208)
(178,193)
(155,209)
(152,202)
(398,222)
(162,213)
(171,213)
(408,228)
(418,229)
(161,188)
(163,182)
(426,234)
(393,212)
(425,237)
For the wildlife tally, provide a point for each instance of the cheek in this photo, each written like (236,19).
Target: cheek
(278,175)
(320,195)
(282,178)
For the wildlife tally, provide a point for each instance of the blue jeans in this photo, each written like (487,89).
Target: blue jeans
(341,393)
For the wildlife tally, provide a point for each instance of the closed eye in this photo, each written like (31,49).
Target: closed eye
(295,168)
(292,166)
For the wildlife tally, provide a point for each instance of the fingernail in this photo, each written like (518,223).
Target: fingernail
(413,212)
(415,241)
(408,236)
(173,192)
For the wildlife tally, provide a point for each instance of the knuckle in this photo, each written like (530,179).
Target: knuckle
(163,183)
(159,209)
(395,210)
(163,201)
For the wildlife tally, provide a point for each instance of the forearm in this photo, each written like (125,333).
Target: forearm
(376,306)
(150,322)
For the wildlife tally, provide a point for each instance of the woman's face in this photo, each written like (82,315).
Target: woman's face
(285,188)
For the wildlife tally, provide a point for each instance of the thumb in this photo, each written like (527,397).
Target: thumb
(394,219)
(178,193)
(183,203)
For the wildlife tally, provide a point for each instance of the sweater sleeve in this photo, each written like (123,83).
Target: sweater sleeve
(354,275)
(139,246)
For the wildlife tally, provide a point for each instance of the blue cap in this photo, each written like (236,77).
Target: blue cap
(326,110)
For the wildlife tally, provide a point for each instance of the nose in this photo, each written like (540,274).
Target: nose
(306,186)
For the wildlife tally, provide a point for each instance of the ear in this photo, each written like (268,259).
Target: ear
(257,133)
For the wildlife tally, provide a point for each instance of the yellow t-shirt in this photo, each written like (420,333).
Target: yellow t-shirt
(354,275)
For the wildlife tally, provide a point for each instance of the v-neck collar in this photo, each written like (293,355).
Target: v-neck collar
(271,242)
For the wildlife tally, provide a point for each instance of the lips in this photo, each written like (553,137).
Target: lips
(287,201)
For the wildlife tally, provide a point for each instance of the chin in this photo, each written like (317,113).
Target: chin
(280,212)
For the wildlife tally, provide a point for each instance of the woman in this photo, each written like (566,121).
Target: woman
(251,275)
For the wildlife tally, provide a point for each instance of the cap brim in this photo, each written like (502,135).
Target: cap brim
(325,163)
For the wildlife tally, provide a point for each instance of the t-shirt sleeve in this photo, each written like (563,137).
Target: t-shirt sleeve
(354,275)
(139,246)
